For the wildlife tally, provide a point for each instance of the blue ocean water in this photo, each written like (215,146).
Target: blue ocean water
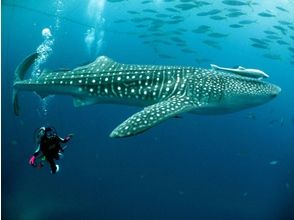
(226,167)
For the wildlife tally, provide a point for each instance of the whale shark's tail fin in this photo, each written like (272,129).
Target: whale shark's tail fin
(19,75)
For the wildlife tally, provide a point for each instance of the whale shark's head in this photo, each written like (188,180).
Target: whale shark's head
(241,92)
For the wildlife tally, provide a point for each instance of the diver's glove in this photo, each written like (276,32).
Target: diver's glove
(32,161)
(68,137)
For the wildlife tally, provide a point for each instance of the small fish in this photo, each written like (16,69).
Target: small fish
(233,9)
(282,9)
(273,37)
(260,46)
(235,3)
(291,27)
(258,41)
(115,1)
(159,34)
(185,7)
(177,32)
(274,162)
(280,28)
(266,14)
(217,35)
(202,29)
(143,36)
(141,25)
(236,26)
(174,21)
(285,22)
(149,10)
(177,17)
(211,12)
(199,4)
(217,17)
(138,20)
(153,28)
(182,44)
(212,44)
(272,56)
(162,15)
(235,14)
(188,51)
(146,42)
(291,49)
(247,22)
(269,32)
(145,2)
(281,42)
(172,10)
(133,12)
(176,39)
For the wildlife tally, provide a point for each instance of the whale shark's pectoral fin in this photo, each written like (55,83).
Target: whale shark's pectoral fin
(153,115)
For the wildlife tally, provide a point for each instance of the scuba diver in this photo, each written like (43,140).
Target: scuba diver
(49,148)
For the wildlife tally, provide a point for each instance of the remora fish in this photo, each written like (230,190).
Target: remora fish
(254,73)
(163,91)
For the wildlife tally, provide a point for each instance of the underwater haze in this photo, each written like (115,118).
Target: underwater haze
(237,166)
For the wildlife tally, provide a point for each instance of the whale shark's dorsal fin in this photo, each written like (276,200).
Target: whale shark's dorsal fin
(241,68)
(104,59)
(102,63)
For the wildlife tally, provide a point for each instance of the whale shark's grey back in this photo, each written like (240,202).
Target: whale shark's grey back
(148,83)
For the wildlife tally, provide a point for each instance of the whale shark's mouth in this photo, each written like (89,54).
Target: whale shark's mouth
(277,90)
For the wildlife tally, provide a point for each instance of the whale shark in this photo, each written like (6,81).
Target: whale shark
(162,91)
(255,73)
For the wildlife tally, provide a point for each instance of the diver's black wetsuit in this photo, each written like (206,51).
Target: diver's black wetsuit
(50,147)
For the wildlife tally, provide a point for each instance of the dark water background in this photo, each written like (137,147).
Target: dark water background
(228,167)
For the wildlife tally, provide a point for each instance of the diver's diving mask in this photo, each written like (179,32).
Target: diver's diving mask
(50,133)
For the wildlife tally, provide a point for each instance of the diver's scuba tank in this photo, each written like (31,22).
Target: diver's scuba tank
(38,134)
